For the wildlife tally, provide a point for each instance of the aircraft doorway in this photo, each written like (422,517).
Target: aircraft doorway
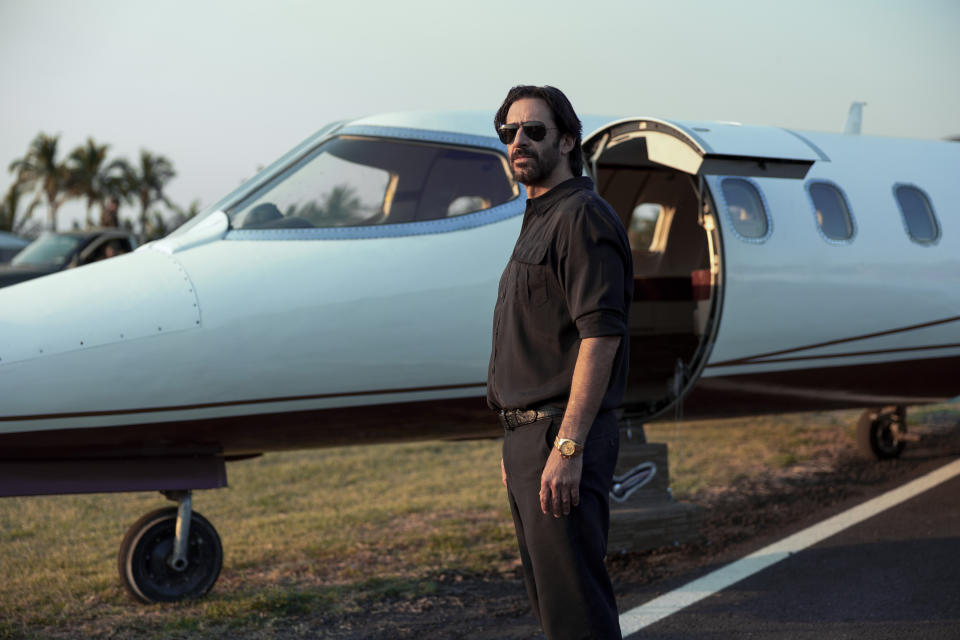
(676,266)
(652,172)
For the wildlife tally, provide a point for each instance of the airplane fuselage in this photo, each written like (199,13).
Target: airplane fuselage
(240,333)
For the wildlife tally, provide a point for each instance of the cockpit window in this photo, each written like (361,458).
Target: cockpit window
(356,181)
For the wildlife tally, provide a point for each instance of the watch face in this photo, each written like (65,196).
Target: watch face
(567,448)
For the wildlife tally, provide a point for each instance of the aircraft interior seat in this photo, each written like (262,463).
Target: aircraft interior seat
(264,214)
(403,208)
(291,222)
(267,215)
(436,202)
(479,178)
(644,262)
(669,288)
(670,304)
(686,246)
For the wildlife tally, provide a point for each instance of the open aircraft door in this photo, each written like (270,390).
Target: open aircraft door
(660,176)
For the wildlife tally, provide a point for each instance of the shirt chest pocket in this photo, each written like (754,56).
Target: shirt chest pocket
(532,273)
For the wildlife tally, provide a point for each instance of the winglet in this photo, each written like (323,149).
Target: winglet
(854,118)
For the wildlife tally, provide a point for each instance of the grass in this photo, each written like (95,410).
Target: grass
(308,531)
(312,535)
(712,453)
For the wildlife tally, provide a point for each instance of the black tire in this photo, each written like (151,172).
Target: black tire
(878,430)
(142,560)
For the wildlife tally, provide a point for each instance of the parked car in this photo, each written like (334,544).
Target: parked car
(53,252)
(10,245)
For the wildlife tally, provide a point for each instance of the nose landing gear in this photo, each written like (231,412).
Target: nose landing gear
(882,432)
(170,554)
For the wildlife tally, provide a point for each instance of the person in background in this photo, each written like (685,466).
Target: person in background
(109,213)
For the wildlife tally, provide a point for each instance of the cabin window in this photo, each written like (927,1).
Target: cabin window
(646,229)
(745,208)
(354,181)
(918,216)
(831,211)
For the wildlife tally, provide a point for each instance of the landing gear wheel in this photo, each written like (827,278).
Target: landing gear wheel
(880,432)
(144,553)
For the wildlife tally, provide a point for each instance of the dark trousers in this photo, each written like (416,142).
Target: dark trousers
(563,558)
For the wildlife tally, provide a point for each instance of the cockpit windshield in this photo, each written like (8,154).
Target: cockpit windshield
(357,180)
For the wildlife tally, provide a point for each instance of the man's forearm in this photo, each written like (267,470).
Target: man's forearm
(590,377)
(560,480)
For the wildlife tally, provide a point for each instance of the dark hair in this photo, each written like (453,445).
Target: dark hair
(563,116)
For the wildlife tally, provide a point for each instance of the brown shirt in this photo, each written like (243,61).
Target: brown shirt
(570,277)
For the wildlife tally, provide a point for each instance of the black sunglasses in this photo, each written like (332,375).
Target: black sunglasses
(533,129)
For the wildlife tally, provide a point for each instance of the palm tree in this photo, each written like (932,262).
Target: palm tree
(9,206)
(117,183)
(340,206)
(40,168)
(87,174)
(343,203)
(157,227)
(147,181)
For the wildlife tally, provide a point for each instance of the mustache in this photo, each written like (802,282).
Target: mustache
(523,153)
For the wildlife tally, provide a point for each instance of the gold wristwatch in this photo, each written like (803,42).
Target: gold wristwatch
(568,448)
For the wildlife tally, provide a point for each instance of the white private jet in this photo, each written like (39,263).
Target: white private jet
(345,296)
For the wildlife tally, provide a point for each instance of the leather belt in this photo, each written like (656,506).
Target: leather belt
(513,418)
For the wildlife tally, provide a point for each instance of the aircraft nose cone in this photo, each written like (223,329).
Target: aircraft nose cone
(124,298)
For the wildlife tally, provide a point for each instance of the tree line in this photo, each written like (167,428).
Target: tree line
(41,177)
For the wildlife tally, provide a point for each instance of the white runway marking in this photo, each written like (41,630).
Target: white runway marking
(670,603)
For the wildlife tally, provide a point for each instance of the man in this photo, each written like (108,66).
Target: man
(109,216)
(558,366)
(113,249)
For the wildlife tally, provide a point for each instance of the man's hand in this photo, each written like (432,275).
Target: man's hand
(503,473)
(560,480)
(560,484)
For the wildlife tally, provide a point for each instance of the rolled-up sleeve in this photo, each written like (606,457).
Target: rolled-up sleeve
(593,266)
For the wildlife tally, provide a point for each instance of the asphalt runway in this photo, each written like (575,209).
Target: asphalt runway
(893,574)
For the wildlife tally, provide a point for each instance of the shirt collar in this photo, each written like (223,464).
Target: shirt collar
(542,203)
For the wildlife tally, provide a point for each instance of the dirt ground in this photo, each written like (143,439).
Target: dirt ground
(739,518)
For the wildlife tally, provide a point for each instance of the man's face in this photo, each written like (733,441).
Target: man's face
(532,162)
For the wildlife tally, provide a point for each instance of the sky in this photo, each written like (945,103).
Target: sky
(222,88)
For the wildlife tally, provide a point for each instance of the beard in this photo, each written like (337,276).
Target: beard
(538,166)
